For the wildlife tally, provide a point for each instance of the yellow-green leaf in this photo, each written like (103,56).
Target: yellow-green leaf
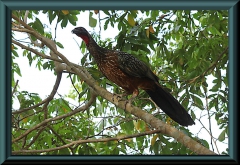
(181,61)
(65,12)
(147,127)
(153,140)
(135,11)
(147,32)
(131,20)
(151,30)
(92,21)
(168,120)
(221,137)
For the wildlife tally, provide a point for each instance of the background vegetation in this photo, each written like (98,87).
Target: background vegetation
(187,50)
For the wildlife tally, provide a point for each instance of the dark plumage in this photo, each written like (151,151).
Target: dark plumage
(131,74)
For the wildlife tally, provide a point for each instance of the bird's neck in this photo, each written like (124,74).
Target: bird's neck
(94,49)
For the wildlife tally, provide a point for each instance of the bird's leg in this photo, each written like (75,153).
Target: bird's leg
(134,95)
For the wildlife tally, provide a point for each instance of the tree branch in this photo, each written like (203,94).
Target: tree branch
(54,91)
(118,138)
(86,106)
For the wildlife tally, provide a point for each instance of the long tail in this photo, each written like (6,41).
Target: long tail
(170,106)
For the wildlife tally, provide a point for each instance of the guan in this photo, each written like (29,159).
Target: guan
(132,74)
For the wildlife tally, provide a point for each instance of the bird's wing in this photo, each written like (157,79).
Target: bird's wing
(134,67)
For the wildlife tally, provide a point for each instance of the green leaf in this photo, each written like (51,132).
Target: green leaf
(221,137)
(51,15)
(92,21)
(33,38)
(59,45)
(18,71)
(131,20)
(64,151)
(74,12)
(29,56)
(192,74)
(204,143)
(154,14)
(193,115)
(133,40)
(64,22)
(214,31)
(39,26)
(144,48)
(15,53)
(106,24)
(45,65)
(115,151)
(157,147)
(72,19)
(197,101)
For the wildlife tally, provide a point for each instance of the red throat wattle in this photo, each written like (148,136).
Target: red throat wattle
(85,39)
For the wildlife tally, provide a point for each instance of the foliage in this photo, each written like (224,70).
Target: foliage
(183,48)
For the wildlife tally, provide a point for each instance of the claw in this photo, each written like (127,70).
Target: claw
(119,96)
(127,101)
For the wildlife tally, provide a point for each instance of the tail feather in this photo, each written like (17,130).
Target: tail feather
(170,106)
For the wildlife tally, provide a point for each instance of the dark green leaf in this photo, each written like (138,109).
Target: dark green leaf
(51,15)
(64,22)
(45,65)
(38,26)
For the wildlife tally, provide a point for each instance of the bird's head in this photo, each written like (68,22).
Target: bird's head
(83,33)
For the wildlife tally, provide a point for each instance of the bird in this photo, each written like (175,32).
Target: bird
(132,74)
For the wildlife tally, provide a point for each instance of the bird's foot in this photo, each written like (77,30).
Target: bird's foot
(119,97)
(129,101)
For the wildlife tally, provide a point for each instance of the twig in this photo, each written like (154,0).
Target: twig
(210,135)
(209,117)
(56,26)
(74,85)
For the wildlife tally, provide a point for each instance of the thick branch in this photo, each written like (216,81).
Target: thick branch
(54,91)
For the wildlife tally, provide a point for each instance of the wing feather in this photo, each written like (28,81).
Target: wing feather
(134,67)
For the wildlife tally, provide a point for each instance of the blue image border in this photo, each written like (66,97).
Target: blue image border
(5,69)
